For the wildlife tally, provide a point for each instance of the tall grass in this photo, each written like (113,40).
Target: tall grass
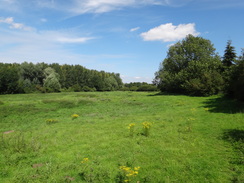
(190,139)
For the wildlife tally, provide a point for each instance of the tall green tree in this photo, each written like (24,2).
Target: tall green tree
(235,83)
(229,55)
(9,78)
(191,67)
(51,82)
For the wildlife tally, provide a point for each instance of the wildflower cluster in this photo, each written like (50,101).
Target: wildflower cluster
(51,121)
(85,160)
(74,116)
(131,125)
(131,128)
(146,128)
(147,125)
(129,173)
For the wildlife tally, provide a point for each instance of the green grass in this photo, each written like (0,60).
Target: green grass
(191,139)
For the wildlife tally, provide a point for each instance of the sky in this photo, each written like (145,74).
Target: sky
(130,37)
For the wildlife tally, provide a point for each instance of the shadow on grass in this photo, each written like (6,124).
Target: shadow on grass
(223,105)
(234,135)
(236,138)
(165,93)
(214,104)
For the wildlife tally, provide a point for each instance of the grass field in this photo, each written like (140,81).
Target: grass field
(99,137)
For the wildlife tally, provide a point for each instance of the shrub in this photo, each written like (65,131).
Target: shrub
(88,89)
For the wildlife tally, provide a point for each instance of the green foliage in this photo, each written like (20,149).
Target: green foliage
(76,88)
(139,86)
(235,87)
(234,79)
(9,78)
(111,84)
(191,67)
(88,89)
(41,77)
(229,56)
(51,81)
(34,73)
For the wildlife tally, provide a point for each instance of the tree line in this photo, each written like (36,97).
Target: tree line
(41,77)
(193,67)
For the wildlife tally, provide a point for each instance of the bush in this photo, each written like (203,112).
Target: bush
(88,89)
(76,88)
(147,88)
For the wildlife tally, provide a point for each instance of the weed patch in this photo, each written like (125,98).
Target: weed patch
(51,121)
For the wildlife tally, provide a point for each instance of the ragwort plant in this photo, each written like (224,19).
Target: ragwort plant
(146,128)
(74,116)
(128,174)
(131,128)
(51,121)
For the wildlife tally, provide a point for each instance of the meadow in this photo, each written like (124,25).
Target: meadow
(120,137)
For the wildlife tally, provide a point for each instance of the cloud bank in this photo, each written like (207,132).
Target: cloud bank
(169,32)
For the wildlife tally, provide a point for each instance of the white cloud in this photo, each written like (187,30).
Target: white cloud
(76,7)
(102,6)
(40,36)
(177,3)
(169,32)
(42,46)
(8,20)
(14,25)
(74,40)
(134,29)
(43,20)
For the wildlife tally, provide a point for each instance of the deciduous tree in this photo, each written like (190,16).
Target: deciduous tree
(191,67)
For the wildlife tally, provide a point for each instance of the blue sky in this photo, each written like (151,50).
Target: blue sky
(130,37)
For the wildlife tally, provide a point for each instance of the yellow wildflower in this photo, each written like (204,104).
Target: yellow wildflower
(131,125)
(84,160)
(51,121)
(147,125)
(74,116)
(137,168)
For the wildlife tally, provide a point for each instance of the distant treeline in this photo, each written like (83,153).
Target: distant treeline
(139,86)
(41,77)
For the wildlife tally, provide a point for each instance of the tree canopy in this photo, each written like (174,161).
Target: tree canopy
(229,55)
(191,67)
(41,77)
